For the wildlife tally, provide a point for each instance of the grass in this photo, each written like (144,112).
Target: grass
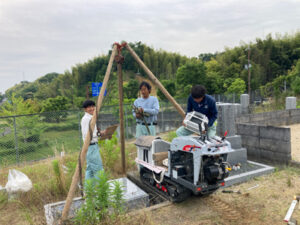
(49,181)
(266,204)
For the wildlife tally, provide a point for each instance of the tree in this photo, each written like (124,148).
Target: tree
(131,89)
(188,75)
(58,103)
(170,86)
(238,87)
(27,126)
(296,85)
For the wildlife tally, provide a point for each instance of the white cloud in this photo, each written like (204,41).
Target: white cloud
(37,37)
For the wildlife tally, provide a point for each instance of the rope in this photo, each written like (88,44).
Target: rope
(162,174)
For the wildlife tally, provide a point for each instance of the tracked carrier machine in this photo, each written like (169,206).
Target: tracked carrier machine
(189,164)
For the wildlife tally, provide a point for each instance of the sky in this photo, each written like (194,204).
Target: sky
(38,36)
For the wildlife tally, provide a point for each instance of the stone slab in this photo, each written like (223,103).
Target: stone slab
(135,198)
(235,141)
(243,177)
(237,156)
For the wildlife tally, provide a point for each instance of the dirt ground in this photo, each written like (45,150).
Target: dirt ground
(267,203)
(295,140)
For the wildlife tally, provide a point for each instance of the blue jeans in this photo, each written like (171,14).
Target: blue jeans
(141,130)
(211,132)
(93,162)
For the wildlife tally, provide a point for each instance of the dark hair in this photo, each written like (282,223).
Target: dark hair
(198,91)
(88,103)
(146,84)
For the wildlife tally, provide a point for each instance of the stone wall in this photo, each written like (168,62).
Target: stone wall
(264,138)
(267,143)
(277,118)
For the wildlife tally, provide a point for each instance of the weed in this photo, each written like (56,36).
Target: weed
(117,199)
(171,136)
(110,152)
(289,182)
(59,175)
(100,201)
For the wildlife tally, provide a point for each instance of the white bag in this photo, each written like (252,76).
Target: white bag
(17,181)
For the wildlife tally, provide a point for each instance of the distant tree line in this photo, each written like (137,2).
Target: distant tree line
(275,65)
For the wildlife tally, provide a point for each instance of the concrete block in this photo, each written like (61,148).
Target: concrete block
(282,157)
(294,112)
(277,133)
(247,129)
(253,152)
(237,156)
(275,145)
(135,198)
(267,155)
(250,141)
(290,103)
(235,141)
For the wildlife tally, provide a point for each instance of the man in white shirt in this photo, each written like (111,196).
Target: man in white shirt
(93,158)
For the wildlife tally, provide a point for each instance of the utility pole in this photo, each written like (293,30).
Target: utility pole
(249,75)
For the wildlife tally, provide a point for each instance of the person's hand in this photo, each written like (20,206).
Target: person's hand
(103,132)
(141,110)
(183,124)
(138,115)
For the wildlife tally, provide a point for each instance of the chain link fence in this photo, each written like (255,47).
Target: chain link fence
(27,138)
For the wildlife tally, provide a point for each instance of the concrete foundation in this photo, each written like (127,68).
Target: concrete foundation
(247,175)
(135,198)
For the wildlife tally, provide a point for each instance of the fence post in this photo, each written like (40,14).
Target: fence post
(16,141)
(79,130)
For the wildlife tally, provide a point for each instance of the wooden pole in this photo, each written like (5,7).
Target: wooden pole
(156,81)
(87,139)
(121,113)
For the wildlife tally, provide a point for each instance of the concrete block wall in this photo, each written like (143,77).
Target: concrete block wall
(263,137)
(277,118)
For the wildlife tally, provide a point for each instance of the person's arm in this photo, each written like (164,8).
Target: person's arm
(155,108)
(214,114)
(84,127)
(189,105)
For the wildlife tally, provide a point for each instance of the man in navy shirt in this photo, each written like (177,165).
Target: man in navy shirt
(200,102)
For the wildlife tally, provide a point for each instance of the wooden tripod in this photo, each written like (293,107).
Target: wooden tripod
(116,48)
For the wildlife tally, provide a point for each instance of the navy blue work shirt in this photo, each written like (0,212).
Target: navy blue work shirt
(207,107)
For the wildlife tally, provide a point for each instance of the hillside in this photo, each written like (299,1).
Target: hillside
(275,66)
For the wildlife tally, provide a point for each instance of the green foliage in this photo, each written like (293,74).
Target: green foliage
(171,136)
(58,103)
(55,104)
(99,200)
(110,151)
(296,86)
(238,87)
(78,101)
(59,175)
(170,86)
(131,89)
(117,200)
(188,75)
(27,125)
